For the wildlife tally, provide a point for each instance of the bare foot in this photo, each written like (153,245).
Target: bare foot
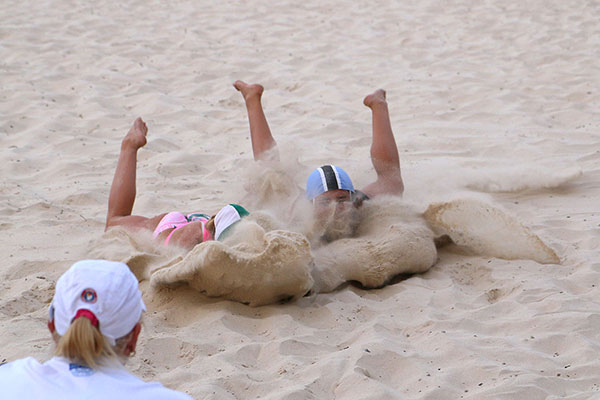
(136,137)
(376,98)
(249,91)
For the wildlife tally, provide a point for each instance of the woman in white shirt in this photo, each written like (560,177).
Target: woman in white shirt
(95,321)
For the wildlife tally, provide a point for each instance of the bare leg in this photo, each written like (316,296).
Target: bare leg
(260,134)
(122,191)
(384,152)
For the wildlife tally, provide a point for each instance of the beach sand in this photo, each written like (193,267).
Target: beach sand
(493,101)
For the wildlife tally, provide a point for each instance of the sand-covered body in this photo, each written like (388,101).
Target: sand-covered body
(260,263)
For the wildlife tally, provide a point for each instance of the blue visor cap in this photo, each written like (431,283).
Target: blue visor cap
(326,178)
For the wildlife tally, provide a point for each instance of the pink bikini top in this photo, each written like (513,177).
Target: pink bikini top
(176,220)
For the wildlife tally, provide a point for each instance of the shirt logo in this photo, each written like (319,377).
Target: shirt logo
(80,370)
(89,295)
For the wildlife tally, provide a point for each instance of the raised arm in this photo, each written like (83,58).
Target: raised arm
(122,190)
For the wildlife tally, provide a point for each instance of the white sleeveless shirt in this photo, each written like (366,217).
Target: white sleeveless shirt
(58,378)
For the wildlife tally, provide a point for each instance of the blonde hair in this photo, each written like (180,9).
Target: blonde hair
(85,343)
(210,225)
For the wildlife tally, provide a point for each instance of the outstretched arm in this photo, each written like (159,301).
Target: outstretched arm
(384,152)
(122,190)
(263,144)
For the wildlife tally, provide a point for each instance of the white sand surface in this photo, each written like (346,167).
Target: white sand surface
(497,101)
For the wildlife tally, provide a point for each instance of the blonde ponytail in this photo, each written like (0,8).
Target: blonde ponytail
(210,225)
(84,342)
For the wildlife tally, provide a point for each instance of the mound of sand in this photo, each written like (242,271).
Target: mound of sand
(391,240)
(253,267)
(265,261)
(261,263)
(484,230)
(276,269)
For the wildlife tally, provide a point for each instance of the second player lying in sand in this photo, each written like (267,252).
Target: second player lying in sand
(329,187)
(174,228)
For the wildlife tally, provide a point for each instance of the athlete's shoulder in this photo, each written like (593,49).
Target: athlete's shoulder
(17,378)
(18,365)
(131,387)
(156,391)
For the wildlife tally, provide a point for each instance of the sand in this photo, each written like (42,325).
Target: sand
(494,102)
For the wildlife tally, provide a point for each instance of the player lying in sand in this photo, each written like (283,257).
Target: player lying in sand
(173,228)
(329,187)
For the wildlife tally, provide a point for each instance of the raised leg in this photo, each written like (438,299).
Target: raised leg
(263,144)
(122,190)
(384,152)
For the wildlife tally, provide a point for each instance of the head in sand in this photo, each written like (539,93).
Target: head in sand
(94,319)
(329,187)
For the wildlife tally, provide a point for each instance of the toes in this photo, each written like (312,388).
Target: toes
(239,85)
(140,125)
(378,96)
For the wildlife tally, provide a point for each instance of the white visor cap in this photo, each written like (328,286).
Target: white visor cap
(227,217)
(106,288)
